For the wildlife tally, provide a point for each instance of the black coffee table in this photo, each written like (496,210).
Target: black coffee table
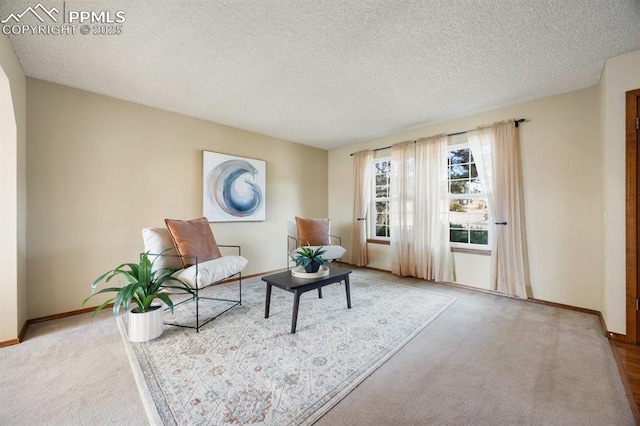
(297,286)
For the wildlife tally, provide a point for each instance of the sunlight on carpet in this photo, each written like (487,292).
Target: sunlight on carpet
(244,369)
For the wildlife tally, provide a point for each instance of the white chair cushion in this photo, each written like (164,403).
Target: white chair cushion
(292,229)
(155,241)
(211,271)
(332,252)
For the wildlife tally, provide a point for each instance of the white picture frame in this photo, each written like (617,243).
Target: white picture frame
(234,188)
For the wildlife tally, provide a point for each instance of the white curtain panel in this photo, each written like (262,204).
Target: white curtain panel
(419,210)
(434,260)
(496,151)
(401,208)
(362,169)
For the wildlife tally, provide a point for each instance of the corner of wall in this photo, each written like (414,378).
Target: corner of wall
(13,194)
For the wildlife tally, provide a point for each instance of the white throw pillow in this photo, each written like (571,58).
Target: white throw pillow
(155,241)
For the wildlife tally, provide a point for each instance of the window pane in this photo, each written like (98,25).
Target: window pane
(474,171)
(458,236)
(382,231)
(479,237)
(382,207)
(458,206)
(474,186)
(478,217)
(381,180)
(459,187)
(459,171)
(383,167)
(382,191)
(458,157)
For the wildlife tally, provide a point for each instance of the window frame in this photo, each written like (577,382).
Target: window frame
(373,223)
(467,247)
(455,246)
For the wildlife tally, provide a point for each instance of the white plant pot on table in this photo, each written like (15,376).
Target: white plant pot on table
(144,326)
(299,272)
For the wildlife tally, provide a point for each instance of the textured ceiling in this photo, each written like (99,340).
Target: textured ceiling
(331,73)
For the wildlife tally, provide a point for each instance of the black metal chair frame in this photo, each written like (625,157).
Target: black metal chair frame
(196,293)
(295,242)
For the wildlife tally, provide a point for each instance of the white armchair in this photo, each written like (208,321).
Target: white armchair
(314,233)
(188,260)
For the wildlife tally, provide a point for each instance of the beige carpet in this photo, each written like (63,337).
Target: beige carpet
(486,360)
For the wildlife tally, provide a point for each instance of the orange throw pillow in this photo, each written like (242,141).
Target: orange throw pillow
(193,238)
(313,232)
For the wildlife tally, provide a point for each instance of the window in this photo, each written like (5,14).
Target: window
(468,207)
(382,174)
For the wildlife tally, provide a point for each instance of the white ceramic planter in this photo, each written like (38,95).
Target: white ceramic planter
(299,272)
(144,326)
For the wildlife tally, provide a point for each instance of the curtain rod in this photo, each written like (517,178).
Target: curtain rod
(517,122)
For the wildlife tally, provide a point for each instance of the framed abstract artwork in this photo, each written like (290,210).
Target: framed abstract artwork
(234,188)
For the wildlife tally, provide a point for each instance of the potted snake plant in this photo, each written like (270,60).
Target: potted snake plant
(143,286)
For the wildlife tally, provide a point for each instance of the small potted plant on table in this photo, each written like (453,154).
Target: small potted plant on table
(310,259)
(143,287)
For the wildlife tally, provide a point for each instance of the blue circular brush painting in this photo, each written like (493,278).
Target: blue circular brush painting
(232,185)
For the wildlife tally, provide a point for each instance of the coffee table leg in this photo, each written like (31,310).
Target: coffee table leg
(346,286)
(320,292)
(268,301)
(294,319)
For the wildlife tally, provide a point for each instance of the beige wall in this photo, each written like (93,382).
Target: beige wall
(101,169)
(621,74)
(12,194)
(561,154)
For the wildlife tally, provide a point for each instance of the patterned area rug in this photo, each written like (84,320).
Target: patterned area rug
(244,369)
